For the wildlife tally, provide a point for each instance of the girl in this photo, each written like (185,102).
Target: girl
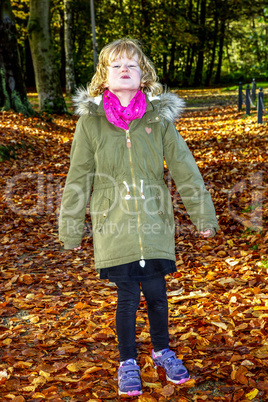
(125,130)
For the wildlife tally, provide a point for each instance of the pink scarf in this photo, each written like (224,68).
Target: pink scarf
(119,115)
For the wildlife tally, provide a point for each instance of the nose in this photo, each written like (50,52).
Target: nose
(124,67)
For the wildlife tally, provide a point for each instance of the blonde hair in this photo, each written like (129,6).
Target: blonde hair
(149,79)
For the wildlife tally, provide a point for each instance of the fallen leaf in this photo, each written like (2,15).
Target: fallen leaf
(219,324)
(150,376)
(261,353)
(252,394)
(18,399)
(146,397)
(73,367)
(57,319)
(168,390)
(3,374)
(240,375)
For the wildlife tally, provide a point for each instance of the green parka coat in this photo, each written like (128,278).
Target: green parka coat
(130,206)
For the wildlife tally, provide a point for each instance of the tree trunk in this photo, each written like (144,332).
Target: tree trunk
(189,66)
(62,49)
(187,72)
(222,33)
(29,69)
(202,39)
(171,69)
(146,24)
(215,37)
(13,93)
(164,66)
(190,50)
(46,73)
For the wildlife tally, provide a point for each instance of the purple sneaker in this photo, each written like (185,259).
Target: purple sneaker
(175,370)
(129,381)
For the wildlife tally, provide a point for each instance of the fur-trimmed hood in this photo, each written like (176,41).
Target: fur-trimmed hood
(168,104)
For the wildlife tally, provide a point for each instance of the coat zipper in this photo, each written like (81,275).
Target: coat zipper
(142,262)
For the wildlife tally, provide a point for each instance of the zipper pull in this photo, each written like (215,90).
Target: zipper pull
(142,263)
(128,139)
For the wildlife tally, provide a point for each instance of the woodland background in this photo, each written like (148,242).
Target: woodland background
(192,43)
(57,319)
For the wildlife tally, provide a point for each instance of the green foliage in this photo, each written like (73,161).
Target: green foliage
(247,49)
(9,151)
(57,105)
(22,106)
(252,207)
(13,100)
(170,32)
(264,263)
(33,25)
(255,247)
(260,84)
(5,104)
(20,9)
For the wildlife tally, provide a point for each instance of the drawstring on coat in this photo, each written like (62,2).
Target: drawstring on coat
(128,196)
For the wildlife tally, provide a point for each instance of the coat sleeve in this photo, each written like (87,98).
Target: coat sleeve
(189,182)
(77,188)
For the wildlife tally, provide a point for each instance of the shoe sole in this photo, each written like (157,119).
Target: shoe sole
(130,393)
(182,381)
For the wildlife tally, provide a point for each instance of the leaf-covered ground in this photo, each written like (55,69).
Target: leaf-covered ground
(57,319)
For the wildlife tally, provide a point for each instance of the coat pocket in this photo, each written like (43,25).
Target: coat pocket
(158,204)
(100,206)
(165,207)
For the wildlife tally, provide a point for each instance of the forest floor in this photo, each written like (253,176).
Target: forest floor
(57,319)
(202,99)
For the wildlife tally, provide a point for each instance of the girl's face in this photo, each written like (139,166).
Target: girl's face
(124,74)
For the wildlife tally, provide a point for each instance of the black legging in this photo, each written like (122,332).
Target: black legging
(154,291)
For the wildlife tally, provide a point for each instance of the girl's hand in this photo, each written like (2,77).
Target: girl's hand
(71,247)
(208,233)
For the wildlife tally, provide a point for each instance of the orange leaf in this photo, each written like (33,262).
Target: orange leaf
(73,367)
(93,370)
(150,376)
(238,395)
(80,306)
(240,375)
(168,390)
(146,397)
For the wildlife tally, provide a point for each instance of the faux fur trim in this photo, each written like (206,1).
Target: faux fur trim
(168,104)
(82,101)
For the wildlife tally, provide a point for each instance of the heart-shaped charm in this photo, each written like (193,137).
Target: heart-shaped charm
(148,130)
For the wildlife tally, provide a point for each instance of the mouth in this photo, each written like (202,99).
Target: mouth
(125,77)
